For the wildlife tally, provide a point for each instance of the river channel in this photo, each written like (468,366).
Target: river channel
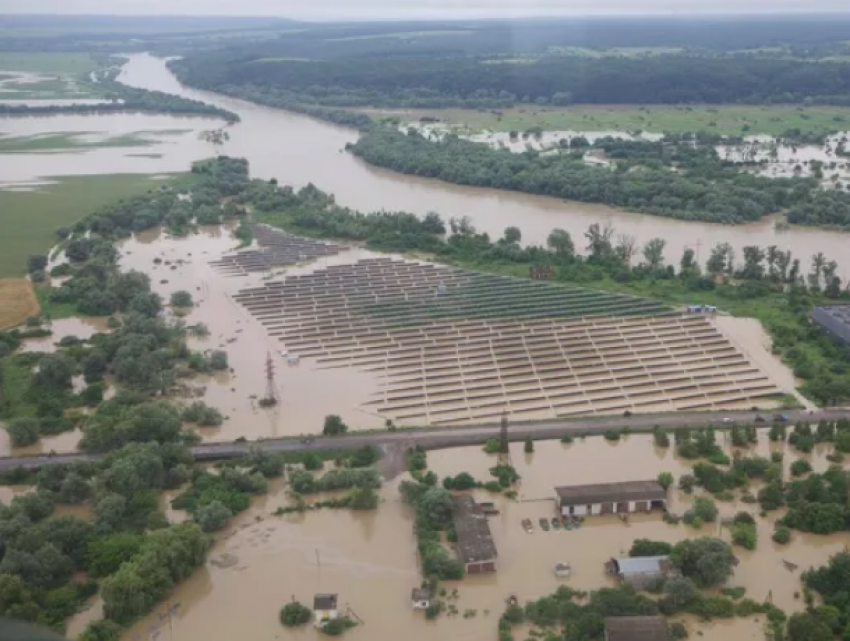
(298,150)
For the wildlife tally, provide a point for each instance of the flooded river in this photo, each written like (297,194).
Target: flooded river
(299,150)
(369,559)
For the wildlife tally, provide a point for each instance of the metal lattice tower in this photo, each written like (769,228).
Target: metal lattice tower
(504,448)
(271,397)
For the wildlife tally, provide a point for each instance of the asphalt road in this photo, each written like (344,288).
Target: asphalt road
(444,437)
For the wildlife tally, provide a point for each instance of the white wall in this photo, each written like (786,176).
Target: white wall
(580,510)
(596,508)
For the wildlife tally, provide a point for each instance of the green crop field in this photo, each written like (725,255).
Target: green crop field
(28,219)
(59,63)
(723,119)
(57,142)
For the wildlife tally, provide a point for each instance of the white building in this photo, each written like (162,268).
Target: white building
(610,498)
(324,609)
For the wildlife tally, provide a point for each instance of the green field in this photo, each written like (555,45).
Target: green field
(60,63)
(724,119)
(28,219)
(71,141)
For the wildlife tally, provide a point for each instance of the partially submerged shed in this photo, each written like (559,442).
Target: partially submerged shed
(640,571)
(647,628)
(610,498)
(475,545)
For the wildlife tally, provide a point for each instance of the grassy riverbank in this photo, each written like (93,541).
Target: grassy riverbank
(47,62)
(731,120)
(31,218)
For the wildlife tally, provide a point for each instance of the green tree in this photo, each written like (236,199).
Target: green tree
(647,547)
(23,431)
(334,426)
(529,445)
(665,480)
(512,236)
(105,554)
(181,298)
(705,560)
(653,253)
(560,241)
(294,614)
(680,591)
(102,630)
(213,516)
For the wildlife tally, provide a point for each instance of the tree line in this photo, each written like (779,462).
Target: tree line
(450,79)
(673,179)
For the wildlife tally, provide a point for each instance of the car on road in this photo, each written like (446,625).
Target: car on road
(728,420)
(780,418)
(759,418)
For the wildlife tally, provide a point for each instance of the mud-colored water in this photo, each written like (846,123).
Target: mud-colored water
(298,150)
(369,559)
(173,140)
(303,389)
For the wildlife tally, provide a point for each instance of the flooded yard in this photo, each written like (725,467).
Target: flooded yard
(370,559)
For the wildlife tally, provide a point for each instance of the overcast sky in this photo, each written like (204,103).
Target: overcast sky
(412,9)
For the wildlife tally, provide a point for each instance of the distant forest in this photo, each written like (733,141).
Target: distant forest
(658,61)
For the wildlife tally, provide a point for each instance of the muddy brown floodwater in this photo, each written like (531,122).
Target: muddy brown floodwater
(298,150)
(306,394)
(369,559)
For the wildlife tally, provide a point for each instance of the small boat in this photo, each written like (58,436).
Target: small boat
(544,524)
(527,526)
(556,523)
(563,569)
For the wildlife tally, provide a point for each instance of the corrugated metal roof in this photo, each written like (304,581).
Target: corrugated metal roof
(611,492)
(641,565)
(649,628)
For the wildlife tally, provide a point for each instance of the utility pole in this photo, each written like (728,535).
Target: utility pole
(272,396)
(504,445)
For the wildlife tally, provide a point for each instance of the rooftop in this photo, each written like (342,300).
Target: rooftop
(652,628)
(642,565)
(325,602)
(474,541)
(420,594)
(611,492)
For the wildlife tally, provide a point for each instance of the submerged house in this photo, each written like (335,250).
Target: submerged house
(648,628)
(475,545)
(420,598)
(640,572)
(324,608)
(610,498)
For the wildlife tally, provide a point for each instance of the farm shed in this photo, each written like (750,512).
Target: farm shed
(649,628)
(610,498)
(639,572)
(324,608)
(475,545)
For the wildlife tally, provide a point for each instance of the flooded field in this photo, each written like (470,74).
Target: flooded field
(369,559)
(314,155)
(185,265)
(93,145)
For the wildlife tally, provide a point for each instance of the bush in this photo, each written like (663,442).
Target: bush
(687,483)
(647,547)
(678,631)
(182,298)
(782,534)
(492,446)
(334,426)
(567,438)
(202,414)
(529,446)
(665,480)
(660,437)
(23,431)
(294,614)
(335,627)
(364,456)
(213,516)
(312,461)
(612,435)
(800,467)
(703,510)
(417,459)
(745,536)
(218,360)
